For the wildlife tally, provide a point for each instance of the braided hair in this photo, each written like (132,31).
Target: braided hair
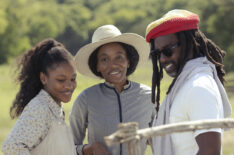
(38,59)
(200,45)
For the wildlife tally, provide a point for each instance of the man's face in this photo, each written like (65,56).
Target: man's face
(168,48)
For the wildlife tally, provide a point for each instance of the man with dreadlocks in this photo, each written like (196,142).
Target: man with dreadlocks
(196,93)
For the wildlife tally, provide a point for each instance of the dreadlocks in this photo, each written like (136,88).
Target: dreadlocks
(157,76)
(200,45)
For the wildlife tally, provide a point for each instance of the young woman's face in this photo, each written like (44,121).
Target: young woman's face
(60,81)
(169,48)
(113,63)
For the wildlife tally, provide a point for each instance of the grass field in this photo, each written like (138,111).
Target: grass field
(8,89)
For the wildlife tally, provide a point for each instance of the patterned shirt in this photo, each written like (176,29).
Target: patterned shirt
(33,125)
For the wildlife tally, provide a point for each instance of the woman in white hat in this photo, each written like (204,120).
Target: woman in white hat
(112,56)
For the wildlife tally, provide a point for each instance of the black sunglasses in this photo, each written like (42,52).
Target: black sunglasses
(165,51)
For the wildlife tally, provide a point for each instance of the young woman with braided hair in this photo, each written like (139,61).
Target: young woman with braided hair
(196,93)
(47,78)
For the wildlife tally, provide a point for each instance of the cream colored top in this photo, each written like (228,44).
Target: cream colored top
(34,126)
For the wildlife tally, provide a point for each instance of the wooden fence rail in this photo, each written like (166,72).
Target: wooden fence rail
(129,133)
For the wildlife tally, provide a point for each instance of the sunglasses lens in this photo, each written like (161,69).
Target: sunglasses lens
(167,52)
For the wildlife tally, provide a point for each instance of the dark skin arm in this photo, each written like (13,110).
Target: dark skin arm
(95,149)
(209,143)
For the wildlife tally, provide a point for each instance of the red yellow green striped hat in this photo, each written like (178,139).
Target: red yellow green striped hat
(172,22)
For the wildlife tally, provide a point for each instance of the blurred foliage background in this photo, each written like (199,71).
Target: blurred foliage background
(23,23)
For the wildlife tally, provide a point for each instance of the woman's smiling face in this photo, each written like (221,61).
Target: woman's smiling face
(60,81)
(112,63)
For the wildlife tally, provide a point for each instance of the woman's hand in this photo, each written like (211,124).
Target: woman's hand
(95,149)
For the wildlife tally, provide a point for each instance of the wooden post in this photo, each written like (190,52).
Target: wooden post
(134,147)
(129,133)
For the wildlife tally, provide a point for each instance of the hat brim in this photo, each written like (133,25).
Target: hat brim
(135,40)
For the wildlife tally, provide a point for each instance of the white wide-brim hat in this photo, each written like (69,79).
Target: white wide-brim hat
(107,34)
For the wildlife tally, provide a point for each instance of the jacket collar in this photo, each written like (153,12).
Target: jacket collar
(109,85)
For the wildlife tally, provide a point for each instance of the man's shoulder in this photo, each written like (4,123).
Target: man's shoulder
(197,84)
(201,80)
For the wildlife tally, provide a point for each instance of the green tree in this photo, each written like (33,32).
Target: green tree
(72,22)
(12,40)
(3,26)
(220,27)
(44,21)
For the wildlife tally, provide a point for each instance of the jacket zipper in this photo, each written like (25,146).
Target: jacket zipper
(120,116)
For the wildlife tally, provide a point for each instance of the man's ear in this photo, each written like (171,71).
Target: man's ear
(43,78)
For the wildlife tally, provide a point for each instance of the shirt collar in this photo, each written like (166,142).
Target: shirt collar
(110,85)
(54,107)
